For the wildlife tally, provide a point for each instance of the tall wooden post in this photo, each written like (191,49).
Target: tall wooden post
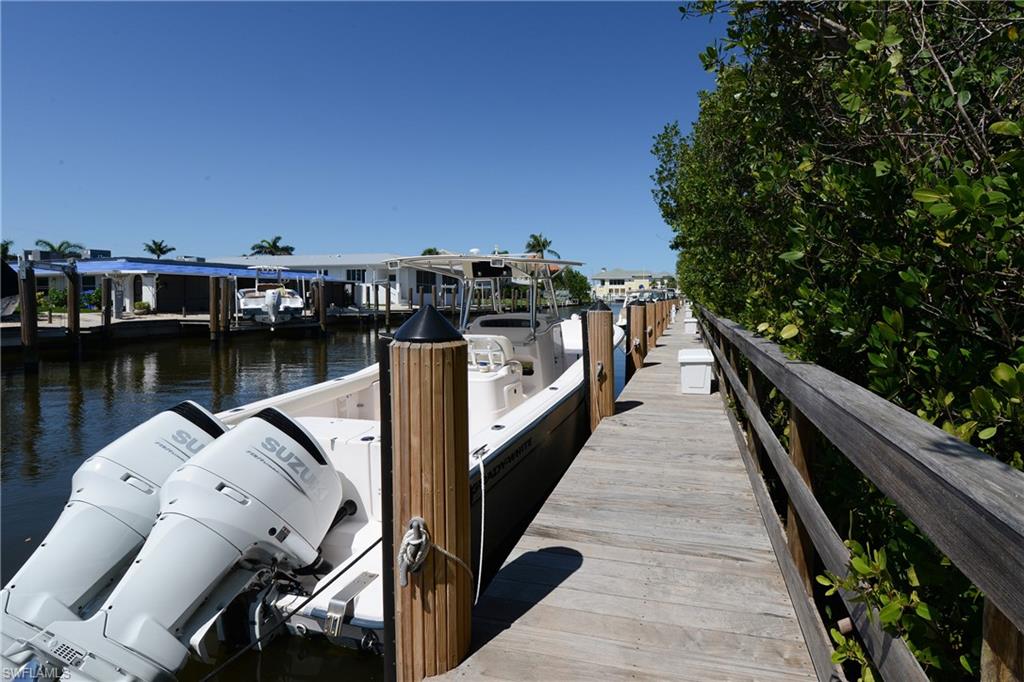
(600,363)
(225,306)
(421,292)
(321,305)
(29,316)
(411,300)
(636,339)
(433,295)
(652,337)
(74,281)
(376,304)
(106,290)
(430,440)
(387,308)
(214,309)
(801,450)
(1002,647)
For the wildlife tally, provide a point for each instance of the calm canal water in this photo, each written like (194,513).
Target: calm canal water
(51,422)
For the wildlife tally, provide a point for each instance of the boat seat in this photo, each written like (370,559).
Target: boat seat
(488,352)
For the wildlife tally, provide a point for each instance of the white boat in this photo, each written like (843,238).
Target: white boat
(269,302)
(272,511)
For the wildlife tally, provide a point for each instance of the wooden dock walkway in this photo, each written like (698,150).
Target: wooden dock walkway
(650,560)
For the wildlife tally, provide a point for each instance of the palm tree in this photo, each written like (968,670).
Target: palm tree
(271,247)
(538,243)
(431,251)
(5,249)
(157,248)
(63,249)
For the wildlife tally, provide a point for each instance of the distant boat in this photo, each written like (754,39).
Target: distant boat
(269,302)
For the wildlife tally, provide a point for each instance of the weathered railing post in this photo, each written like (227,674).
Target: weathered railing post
(214,309)
(74,282)
(430,442)
(753,441)
(802,440)
(29,316)
(600,363)
(636,339)
(387,308)
(1002,647)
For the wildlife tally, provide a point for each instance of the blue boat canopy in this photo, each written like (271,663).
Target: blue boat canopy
(152,266)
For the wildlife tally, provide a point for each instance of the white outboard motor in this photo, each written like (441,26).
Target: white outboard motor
(272,302)
(262,495)
(113,503)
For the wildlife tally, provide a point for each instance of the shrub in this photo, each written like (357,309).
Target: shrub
(854,188)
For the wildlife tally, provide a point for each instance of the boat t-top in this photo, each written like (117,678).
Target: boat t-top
(195,530)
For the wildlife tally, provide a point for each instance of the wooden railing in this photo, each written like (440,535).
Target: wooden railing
(970,505)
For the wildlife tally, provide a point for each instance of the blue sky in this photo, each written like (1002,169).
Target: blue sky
(344,127)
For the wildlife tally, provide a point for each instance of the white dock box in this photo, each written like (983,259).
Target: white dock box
(689,325)
(695,370)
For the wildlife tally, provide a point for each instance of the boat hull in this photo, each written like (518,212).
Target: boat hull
(519,477)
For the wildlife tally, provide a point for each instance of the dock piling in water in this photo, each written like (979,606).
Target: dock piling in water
(106,286)
(214,309)
(29,316)
(74,305)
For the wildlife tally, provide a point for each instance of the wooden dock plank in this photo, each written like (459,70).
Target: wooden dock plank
(650,560)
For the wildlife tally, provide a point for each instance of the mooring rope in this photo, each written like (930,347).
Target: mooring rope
(415,547)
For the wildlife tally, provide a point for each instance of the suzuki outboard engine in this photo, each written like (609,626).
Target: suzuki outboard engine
(114,500)
(262,496)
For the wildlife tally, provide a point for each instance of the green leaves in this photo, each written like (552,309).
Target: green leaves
(928,196)
(890,613)
(1005,128)
(827,198)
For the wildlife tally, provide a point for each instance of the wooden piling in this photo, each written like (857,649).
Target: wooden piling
(214,309)
(225,306)
(430,439)
(107,307)
(802,439)
(29,316)
(600,363)
(433,295)
(652,338)
(376,305)
(321,305)
(636,339)
(74,281)
(387,308)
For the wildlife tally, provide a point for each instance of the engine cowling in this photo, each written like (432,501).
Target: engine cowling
(263,494)
(114,501)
